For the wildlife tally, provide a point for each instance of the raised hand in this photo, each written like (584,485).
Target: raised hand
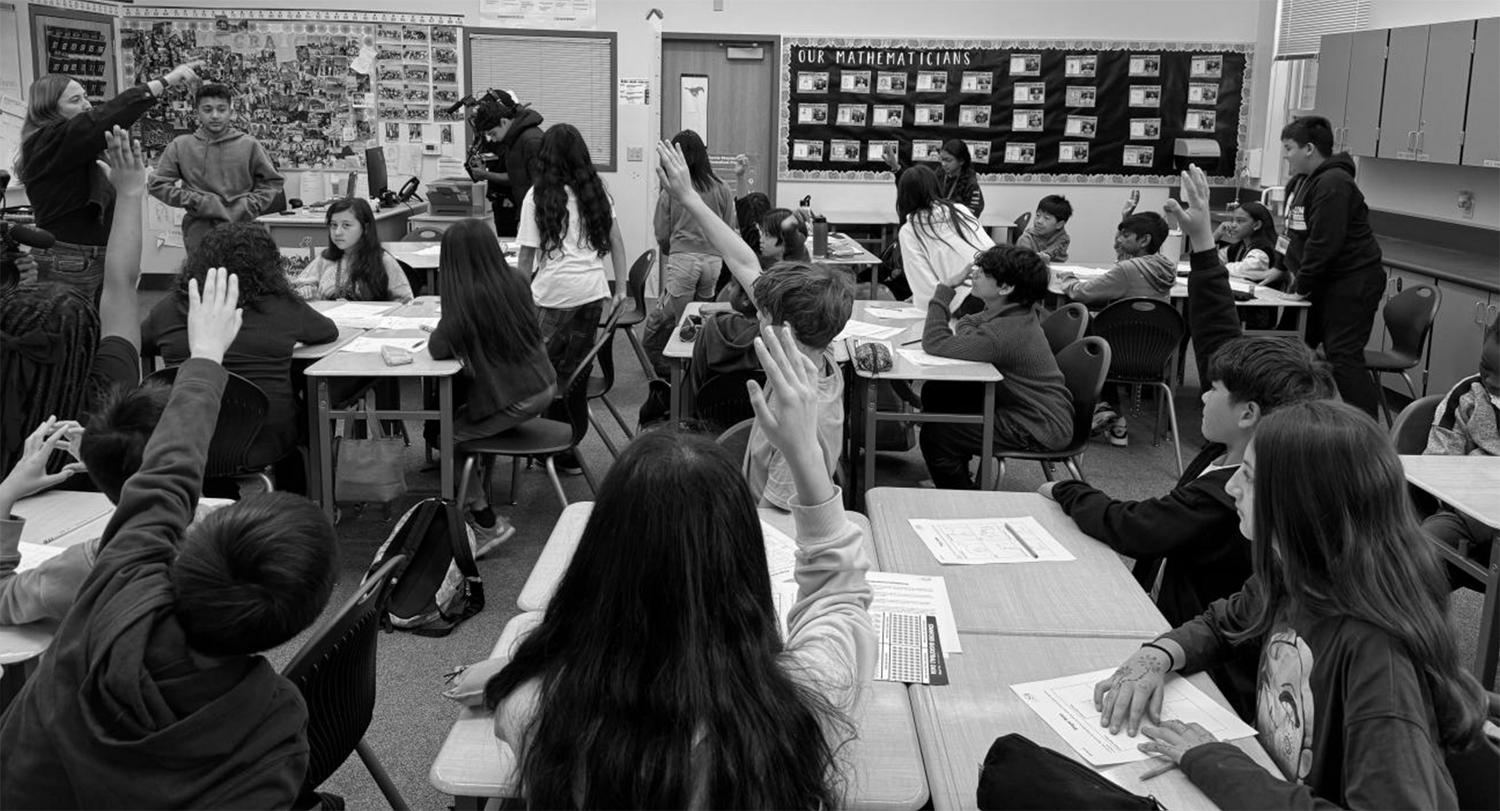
(741,164)
(124,162)
(214,317)
(30,473)
(672,171)
(1131,201)
(789,417)
(1195,218)
(186,72)
(888,154)
(1133,691)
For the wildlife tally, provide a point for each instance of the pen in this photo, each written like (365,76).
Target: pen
(1021,541)
(909,343)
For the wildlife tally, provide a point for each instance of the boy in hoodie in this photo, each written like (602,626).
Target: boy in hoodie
(1048,232)
(218,173)
(153,695)
(1333,255)
(512,131)
(1139,269)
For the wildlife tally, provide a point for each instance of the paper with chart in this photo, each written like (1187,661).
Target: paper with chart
(916,594)
(365,343)
(910,648)
(781,553)
(989,540)
(864,329)
(1067,705)
(917,356)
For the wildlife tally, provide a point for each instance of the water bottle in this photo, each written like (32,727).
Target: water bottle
(820,236)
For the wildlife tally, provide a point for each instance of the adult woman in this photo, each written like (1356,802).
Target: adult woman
(71,195)
(354,266)
(692,265)
(939,238)
(658,678)
(959,182)
(1361,692)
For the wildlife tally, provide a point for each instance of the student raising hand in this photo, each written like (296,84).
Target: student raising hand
(787,410)
(124,163)
(672,171)
(1194,218)
(214,317)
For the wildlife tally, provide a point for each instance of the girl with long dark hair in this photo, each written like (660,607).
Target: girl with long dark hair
(692,264)
(489,322)
(1361,693)
(659,677)
(1248,243)
(939,238)
(354,266)
(957,180)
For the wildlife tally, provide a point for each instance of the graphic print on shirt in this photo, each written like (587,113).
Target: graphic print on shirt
(1284,711)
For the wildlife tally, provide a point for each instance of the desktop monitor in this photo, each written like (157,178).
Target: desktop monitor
(375,169)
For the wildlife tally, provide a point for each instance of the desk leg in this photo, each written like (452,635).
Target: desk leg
(314,448)
(324,439)
(987,440)
(874,282)
(1487,654)
(675,408)
(445,436)
(868,398)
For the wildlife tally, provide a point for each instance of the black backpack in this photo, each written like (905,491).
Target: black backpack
(1020,774)
(439,586)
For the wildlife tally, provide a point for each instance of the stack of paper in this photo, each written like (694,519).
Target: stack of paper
(989,540)
(894,312)
(917,356)
(358,314)
(367,344)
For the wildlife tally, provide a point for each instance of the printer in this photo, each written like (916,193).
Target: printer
(457,197)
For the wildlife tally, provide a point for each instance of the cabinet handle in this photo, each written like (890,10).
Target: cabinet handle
(1421,141)
(1399,281)
(1479,309)
(1411,141)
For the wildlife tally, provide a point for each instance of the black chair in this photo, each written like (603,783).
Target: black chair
(599,387)
(1409,432)
(1408,318)
(723,401)
(1473,772)
(635,293)
(1068,324)
(335,672)
(542,437)
(242,412)
(1144,335)
(1085,364)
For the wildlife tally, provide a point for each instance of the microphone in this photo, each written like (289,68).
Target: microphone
(28,235)
(461,103)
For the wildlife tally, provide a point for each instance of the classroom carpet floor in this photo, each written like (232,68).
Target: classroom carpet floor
(412,718)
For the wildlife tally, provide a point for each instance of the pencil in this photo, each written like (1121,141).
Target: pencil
(1021,541)
(909,343)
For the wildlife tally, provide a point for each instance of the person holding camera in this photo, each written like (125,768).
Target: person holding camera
(507,144)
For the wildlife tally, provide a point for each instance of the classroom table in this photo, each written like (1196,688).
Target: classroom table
(844,252)
(1263,297)
(957,722)
(424,257)
(303,227)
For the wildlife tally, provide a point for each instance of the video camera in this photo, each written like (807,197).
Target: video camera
(469,102)
(16,230)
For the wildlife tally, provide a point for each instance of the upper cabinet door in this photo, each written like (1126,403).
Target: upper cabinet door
(1333,79)
(1366,85)
(1481,135)
(1401,108)
(1445,89)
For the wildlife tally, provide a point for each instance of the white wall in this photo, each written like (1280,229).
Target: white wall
(1097,207)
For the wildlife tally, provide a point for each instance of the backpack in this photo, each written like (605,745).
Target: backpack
(439,586)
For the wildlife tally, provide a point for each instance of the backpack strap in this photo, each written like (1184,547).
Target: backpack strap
(463,557)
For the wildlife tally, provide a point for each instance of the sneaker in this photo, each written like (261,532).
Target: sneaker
(488,538)
(567,464)
(1104,415)
(1119,433)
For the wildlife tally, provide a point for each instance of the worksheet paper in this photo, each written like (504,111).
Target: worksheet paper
(910,648)
(407,322)
(894,593)
(894,312)
(989,540)
(32,554)
(1067,705)
(917,356)
(367,344)
(50,516)
(781,554)
(357,315)
(864,329)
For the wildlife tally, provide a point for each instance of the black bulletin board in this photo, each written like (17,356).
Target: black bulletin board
(1069,112)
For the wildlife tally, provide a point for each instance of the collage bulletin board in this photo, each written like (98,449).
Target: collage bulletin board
(1067,112)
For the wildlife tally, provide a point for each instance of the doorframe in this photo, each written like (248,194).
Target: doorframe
(774,59)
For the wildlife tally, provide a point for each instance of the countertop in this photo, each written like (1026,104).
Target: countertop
(1463,267)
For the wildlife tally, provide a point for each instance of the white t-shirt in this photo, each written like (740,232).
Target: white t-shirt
(570,276)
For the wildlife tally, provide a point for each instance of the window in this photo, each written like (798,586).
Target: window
(569,78)
(1301,23)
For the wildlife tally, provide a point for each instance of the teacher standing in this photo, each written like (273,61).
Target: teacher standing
(68,190)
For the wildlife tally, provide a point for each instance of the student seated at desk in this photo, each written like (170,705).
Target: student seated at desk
(658,677)
(726,343)
(153,694)
(1361,693)
(1139,269)
(354,266)
(939,238)
(276,320)
(1048,232)
(1033,409)
(1247,243)
(781,237)
(490,323)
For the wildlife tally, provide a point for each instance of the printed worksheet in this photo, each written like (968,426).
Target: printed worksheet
(911,650)
(358,314)
(367,344)
(894,312)
(781,553)
(864,329)
(989,540)
(916,594)
(1067,705)
(51,515)
(407,322)
(917,356)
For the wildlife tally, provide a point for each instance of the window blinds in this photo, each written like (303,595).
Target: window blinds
(1302,23)
(568,79)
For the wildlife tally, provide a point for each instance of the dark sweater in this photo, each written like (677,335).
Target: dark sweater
(962,188)
(68,191)
(1328,227)
(119,714)
(1032,396)
(1341,707)
(488,388)
(261,353)
(725,344)
(522,147)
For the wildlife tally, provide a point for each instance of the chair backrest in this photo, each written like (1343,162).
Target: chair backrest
(1413,424)
(1408,318)
(1143,334)
(424,233)
(574,392)
(335,672)
(1023,221)
(1085,365)
(1066,325)
(723,401)
(242,412)
(736,439)
(635,285)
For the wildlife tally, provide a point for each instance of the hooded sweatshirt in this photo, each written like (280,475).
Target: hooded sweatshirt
(1149,276)
(522,148)
(227,177)
(1328,227)
(120,713)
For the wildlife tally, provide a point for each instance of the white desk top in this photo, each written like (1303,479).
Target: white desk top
(55,518)
(903,369)
(319,216)
(426,255)
(1264,296)
(1471,484)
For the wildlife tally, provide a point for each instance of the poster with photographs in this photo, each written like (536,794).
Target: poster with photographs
(1072,152)
(1031,112)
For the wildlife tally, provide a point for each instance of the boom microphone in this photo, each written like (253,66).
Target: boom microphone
(28,235)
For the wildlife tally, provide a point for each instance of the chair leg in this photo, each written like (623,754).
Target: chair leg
(515,475)
(640,351)
(1166,392)
(382,779)
(999,472)
(1047,472)
(609,444)
(1384,407)
(619,418)
(1072,464)
(1410,387)
(265,478)
(556,482)
(463,480)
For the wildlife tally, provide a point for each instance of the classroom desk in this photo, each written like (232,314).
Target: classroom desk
(303,227)
(1264,297)
(957,722)
(843,251)
(903,369)
(342,363)
(1093,596)
(425,256)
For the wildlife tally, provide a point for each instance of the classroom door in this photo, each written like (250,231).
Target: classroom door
(703,88)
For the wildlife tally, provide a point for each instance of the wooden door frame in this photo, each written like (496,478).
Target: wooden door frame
(774,42)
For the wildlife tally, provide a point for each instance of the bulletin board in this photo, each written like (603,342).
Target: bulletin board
(315,87)
(1030,111)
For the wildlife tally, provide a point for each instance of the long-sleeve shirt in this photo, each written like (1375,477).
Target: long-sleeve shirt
(121,713)
(935,248)
(1465,422)
(489,388)
(326,279)
(1342,710)
(1328,227)
(1148,276)
(220,178)
(676,228)
(1054,245)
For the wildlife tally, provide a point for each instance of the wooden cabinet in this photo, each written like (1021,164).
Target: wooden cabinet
(1401,111)
(1332,100)
(1366,89)
(1458,334)
(1445,91)
(1481,137)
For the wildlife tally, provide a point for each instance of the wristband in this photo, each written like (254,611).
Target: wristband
(1171,660)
